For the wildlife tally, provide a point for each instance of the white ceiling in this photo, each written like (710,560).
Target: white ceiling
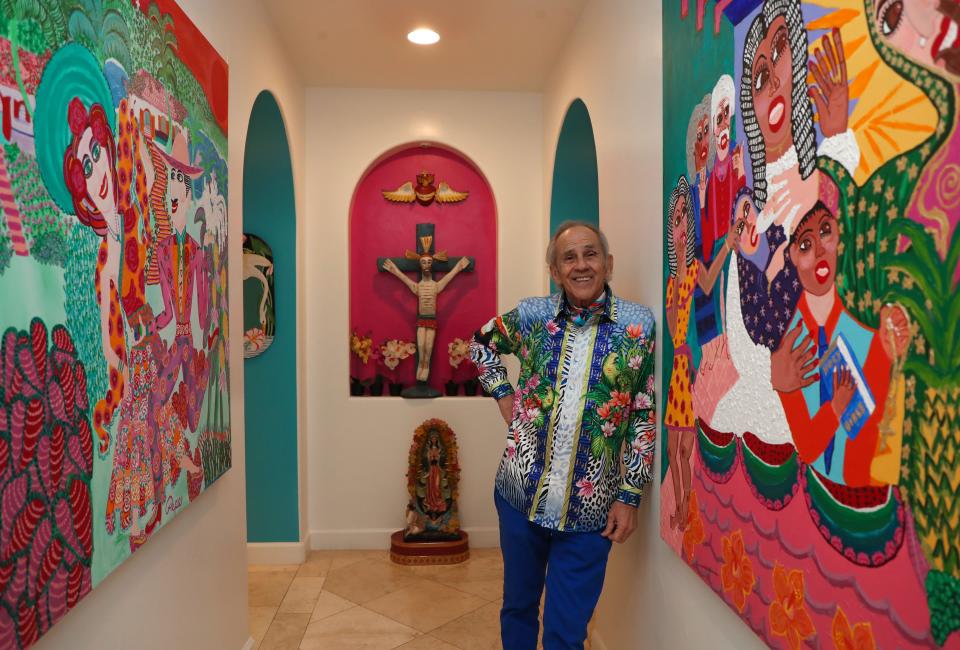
(484,44)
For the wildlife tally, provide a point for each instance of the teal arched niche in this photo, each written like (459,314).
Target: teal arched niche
(576,193)
(270,379)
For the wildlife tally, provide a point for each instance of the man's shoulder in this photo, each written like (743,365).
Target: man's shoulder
(538,306)
(633,313)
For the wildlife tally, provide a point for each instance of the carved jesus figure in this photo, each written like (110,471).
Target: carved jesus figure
(426,292)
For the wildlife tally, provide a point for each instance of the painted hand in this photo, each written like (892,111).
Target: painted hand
(843,389)
(831,93)
(388,265)
(621,522)
(738,160)
(789,365)
(895,330)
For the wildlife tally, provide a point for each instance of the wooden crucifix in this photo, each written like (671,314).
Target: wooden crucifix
(427,261)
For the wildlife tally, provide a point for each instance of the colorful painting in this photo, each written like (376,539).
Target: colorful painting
(114,407)
(812,356)
(259,313)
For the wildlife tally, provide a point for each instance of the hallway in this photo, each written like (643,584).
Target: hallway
(360,599)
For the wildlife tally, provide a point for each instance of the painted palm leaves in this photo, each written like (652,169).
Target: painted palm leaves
(100,27)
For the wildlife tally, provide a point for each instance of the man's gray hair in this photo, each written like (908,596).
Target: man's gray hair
(567,225)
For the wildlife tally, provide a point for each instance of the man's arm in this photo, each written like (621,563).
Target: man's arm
(461,264)
(391,268)
(638,447)
(500,336)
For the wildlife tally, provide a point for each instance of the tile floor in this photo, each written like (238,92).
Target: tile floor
(360,599)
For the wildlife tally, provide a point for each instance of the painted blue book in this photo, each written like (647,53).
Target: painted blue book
(840,355)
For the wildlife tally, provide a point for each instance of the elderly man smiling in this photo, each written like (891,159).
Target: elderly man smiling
(580,439)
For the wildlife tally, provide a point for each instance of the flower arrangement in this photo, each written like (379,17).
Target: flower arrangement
(361,347)
(458,351)
(390,354)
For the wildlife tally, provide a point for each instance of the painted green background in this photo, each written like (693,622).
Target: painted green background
(692,63)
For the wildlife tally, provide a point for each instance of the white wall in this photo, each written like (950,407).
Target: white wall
(357,447)
(186,588)
(612,62)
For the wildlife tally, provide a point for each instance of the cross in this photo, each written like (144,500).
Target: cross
(427,260)
(406,264)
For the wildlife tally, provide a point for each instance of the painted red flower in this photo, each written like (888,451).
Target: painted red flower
(788,613)
(859,637)
(635,331)
(736,574)
(694,534)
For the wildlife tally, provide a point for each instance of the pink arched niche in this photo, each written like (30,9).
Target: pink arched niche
(380,305)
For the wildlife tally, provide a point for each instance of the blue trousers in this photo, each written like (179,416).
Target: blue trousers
(570,564)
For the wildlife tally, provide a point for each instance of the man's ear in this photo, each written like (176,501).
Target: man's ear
(609,266)
(555,275)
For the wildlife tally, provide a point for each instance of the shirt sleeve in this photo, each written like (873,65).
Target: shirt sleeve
(499,336)
(638,448)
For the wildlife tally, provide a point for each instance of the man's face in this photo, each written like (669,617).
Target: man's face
(426,263)
(721,128)
(177,199)
(579,265)
(814,251)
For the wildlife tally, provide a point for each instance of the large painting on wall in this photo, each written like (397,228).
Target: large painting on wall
(811,355)
(114,409)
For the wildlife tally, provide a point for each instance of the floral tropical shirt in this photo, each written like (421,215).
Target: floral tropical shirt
(584,402)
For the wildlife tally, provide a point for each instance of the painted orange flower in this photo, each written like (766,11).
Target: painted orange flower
(788,614)
(635,331)
(860,637)
(694,534)
(736,574)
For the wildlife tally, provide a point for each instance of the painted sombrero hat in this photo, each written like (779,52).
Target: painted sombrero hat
(179,156)
(72,72)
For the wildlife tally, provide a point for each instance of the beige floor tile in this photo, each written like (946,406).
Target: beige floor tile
(302,596)
(486,589)
(427,642)
(357,627)
(273,568)
(260,619)
(285,632)
(478,630)
(425,606)
(343,558)
(329,604)
(361,582)
(267,588)
(316,566)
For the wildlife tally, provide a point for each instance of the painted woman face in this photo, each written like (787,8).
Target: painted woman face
(773,88)
(814,252)
(745,216)
(924,30)
(701,146)
(177,198)
(680,215)
(96,170)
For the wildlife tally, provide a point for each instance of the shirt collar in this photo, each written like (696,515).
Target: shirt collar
(561,306)
(811,323)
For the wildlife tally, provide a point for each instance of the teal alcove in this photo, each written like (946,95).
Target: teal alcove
(576,191)
(270,380)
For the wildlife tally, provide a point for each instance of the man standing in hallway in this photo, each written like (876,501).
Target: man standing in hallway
(580,442)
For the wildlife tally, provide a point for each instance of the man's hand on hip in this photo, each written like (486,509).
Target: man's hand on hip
(621,522)
(506,408)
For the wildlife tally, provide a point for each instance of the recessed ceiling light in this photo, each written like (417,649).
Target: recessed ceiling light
(423,36)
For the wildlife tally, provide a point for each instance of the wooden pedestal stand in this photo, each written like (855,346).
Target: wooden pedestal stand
(428,553)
